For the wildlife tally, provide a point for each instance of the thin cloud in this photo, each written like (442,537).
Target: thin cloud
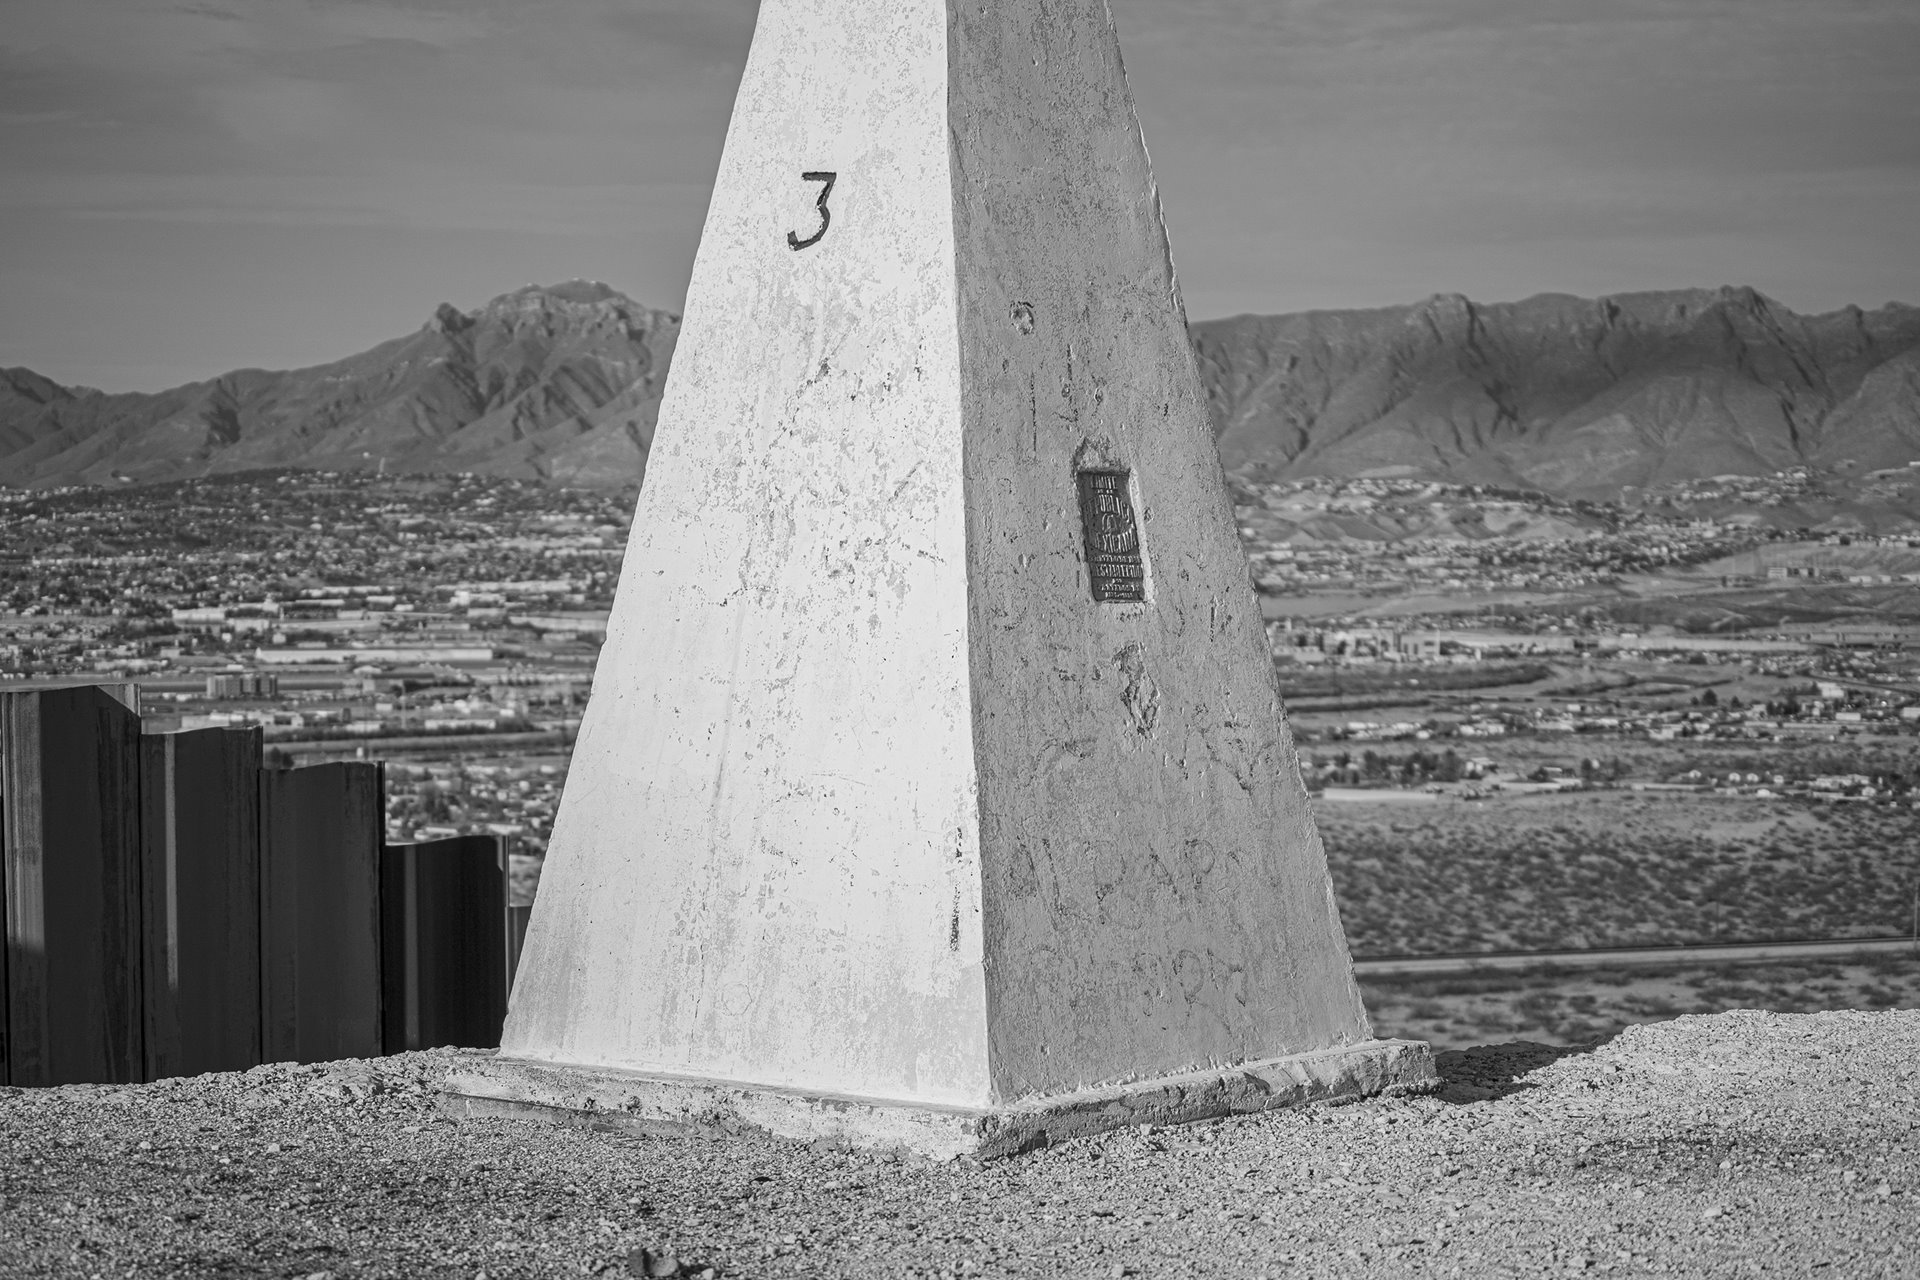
(716,35)
(520,208)
(170,156)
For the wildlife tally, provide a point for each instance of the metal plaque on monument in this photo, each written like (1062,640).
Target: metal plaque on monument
(935,790)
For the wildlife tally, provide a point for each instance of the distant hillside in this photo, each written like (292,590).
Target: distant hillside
(561,382)
(1572,396)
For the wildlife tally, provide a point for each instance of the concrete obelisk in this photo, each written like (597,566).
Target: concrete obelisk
(934,765)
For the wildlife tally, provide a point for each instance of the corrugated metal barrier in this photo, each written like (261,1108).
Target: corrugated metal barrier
(444,943)
(172,907)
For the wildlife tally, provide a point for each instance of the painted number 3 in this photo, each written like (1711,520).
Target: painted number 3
(794,242)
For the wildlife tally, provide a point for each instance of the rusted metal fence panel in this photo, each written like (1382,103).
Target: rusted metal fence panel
(70,843)
(321,830)
(445,935)
(200,801)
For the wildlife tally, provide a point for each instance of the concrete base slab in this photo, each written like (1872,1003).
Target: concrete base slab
(600,1097)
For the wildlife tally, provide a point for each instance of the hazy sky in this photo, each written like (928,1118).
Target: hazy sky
(191,186)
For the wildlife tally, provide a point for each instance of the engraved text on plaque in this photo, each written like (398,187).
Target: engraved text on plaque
(1113,538)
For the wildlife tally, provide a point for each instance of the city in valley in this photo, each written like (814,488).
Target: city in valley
(1531,723)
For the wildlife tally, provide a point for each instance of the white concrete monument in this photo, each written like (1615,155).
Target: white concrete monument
(934,790)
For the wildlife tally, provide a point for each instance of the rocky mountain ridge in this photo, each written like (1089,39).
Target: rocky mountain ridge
(560,382)
(1571,396)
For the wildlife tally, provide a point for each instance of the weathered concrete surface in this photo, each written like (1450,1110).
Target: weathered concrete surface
(625,1100)
(1156,895)
(766,865)
(873,797)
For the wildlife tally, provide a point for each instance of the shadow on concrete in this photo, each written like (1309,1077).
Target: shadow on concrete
(1497,1070)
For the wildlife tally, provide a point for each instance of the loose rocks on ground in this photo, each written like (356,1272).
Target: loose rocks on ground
(1744,1144)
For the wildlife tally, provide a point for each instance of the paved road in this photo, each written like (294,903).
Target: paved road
(1605,958)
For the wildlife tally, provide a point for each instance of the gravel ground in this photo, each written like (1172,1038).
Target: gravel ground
(1739,1144)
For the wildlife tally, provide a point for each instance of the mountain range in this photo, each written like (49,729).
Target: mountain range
(560,382)
(1571,396)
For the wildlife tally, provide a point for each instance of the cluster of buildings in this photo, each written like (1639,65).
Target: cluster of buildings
(405,703)
(1296,643)
(1392,536)
(449,625)
(1447,772)
(300,569)
(1818,709)
(1775,490)
(1380,535)
(445,625)
(514,799)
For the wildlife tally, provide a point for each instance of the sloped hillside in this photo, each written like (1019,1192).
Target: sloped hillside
(1574,396)
(561,382)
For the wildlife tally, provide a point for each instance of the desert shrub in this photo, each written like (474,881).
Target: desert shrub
(1629,871)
